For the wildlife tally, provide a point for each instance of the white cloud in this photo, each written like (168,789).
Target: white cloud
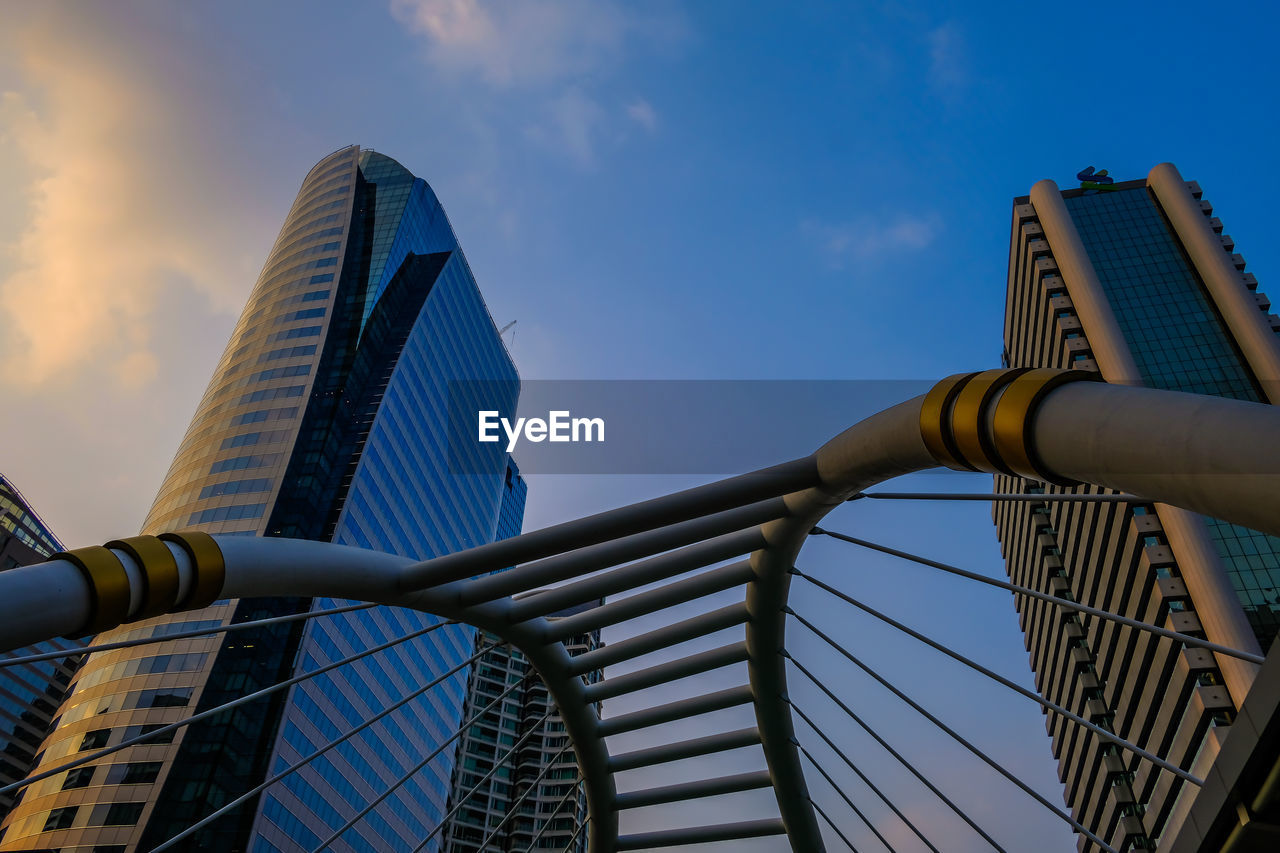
(642,113)
(114,214)
(526,43)
(545,62)
(570,127)
(867,238)
(948,60)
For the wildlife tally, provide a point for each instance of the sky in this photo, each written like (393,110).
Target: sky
(656,190)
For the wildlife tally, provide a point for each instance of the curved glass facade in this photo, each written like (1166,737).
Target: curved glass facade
(325,419)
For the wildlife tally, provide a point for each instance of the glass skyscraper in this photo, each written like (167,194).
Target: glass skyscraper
(325,419)
(1137,281)
(29,693)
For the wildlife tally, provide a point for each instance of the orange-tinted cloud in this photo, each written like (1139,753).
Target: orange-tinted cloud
(129,241)
(114,212)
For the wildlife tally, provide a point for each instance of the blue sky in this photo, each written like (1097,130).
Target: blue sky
(655,190)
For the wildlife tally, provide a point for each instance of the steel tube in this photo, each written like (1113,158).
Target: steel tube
(607,526)
(697,556)
(677,710)
(668,671)
(660,638)
(692,790)
(641,604)
(601,556)
(681,750)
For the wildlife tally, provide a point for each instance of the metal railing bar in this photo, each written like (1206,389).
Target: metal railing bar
(1044,596)
(1000,679)
(901,759)
(298,765)
(956,736)
(857,770)
(832,782)
(184,635)
(235,703)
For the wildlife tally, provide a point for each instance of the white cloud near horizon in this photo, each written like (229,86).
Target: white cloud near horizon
(871,237)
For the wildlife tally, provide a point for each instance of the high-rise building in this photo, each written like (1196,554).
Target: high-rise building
(30,692)
(326,418)
(532,801)
(491,798)
(1136,280)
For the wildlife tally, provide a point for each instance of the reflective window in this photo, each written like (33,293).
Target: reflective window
(60,818)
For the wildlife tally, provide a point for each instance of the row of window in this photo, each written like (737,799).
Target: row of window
(301,314)
(272,394)
(287,352)
(241,463)
(250,439)
(171,697)
(103,814)
(236,487)
(227,513)
(135,773)
(142,666)
(286,372)
(265,416)
(297,332)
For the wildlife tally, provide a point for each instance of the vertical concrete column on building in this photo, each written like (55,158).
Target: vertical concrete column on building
(1216,602)
(1248,325)
(1114,360)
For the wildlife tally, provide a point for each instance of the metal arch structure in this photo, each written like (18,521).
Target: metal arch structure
(1206,454)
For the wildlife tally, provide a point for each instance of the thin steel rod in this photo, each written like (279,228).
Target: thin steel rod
(235,703)
(421,764)
(514,807)
(998,496)
(891,751)
(831,823)
(476,787)
(575,788)
(660,638)
(956,736)
(1017,688)
(573,839)
(184,635)
(1044,596)
(644,603)
(832,782)
(845,758)
(258,789)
